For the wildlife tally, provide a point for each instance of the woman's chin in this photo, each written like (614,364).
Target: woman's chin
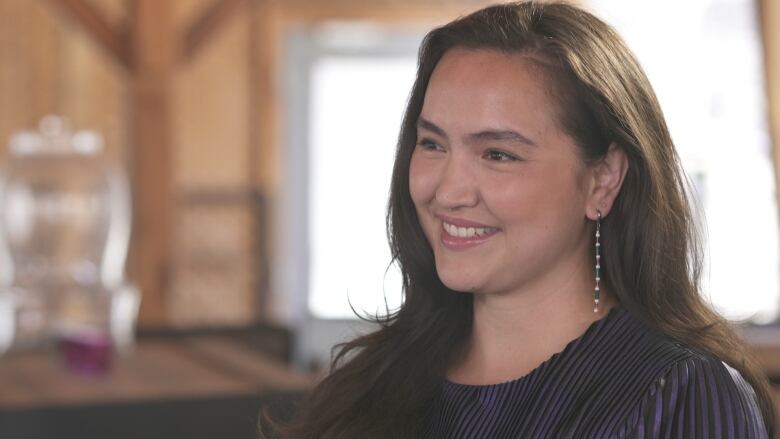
(460,284)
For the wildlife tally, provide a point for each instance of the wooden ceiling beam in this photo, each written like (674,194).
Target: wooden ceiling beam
(204,27)
(115,43)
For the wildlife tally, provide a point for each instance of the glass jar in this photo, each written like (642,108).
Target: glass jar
(64,233)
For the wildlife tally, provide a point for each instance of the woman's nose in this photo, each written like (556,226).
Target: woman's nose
(458,185)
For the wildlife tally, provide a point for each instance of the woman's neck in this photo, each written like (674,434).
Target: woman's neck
(512,334)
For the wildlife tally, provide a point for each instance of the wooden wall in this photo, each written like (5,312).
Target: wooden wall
(186,93)
(47,67)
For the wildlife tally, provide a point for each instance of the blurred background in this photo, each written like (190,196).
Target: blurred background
(252,142)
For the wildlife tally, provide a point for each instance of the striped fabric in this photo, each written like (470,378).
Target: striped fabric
(620,379)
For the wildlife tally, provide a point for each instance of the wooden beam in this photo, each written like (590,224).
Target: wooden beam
(258,81)
(266,34)
(154,44)
(111,41)
(207,25)
(769,13)
(424,13)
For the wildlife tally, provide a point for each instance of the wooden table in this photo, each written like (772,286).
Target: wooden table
(195,387)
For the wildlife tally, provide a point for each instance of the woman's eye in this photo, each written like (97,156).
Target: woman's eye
(500,156)
(429,145)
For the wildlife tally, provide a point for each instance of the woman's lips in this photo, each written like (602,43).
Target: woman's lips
(461,238)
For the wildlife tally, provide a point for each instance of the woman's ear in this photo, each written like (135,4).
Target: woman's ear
(607,178)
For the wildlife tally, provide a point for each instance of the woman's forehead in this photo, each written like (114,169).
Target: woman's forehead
(474,88)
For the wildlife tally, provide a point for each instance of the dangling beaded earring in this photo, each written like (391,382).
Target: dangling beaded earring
(597,291)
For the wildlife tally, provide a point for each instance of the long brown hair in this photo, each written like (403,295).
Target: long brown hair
(382,385)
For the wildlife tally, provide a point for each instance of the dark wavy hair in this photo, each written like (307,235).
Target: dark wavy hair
(383,385)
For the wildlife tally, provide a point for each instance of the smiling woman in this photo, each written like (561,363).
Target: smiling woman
(539,216)
(473,169)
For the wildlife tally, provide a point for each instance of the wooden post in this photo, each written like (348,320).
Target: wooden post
(154,54)
(150,52)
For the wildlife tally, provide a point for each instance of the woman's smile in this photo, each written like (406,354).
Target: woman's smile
(458,234)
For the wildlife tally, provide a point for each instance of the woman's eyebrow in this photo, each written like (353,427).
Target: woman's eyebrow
(490,134)
(510,135)
(430,126)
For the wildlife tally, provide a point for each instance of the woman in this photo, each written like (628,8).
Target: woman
(550,258)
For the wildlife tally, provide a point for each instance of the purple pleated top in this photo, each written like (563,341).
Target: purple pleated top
(620,379)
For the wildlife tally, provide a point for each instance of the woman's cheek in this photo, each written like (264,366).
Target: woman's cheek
(422,181)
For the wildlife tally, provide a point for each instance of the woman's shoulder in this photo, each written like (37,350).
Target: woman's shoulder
(698,396)
(674,390)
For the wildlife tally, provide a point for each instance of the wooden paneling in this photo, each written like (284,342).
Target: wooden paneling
(210,113)
(212,278)
(213,274)
(30,48)
(264,119)
(93,93)
(187,94)
(49,66)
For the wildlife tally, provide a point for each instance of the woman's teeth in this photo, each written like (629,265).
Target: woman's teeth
(467,232)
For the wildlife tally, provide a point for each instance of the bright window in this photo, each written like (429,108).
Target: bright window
(704,60)
(356,107)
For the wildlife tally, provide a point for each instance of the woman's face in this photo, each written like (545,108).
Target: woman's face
(499,189)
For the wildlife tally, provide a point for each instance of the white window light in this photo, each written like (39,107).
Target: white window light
(705,64)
